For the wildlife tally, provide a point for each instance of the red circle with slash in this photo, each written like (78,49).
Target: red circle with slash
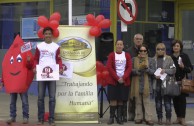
(131,13)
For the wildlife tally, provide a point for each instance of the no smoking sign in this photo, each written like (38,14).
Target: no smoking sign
(127,11)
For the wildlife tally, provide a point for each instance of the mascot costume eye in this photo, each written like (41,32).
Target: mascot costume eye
(17,70)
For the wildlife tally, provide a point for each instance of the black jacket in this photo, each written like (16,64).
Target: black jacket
(181,73)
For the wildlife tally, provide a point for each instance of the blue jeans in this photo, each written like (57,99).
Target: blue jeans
(25,105)
(167,105)
(42,85)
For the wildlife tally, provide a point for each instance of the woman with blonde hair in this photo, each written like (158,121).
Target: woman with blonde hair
(166,65)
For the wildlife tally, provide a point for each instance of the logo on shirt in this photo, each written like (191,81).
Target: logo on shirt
(120,61)
(46,53)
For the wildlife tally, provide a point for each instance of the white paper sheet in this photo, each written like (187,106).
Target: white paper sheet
(47,72)
(68,72)
(158,73)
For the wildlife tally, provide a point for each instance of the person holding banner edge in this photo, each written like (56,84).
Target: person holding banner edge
(47,52)
(119,65)
(183,66)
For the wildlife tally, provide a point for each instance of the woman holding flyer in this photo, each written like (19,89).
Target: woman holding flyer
(183,66)
(166,66)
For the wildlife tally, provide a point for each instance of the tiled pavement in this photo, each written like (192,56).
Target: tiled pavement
(4,113)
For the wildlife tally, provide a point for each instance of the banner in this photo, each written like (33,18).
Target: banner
(76,95)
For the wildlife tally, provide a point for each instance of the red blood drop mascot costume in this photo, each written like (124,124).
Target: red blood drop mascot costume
(17,72)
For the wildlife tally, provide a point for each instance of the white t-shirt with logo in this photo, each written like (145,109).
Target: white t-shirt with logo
(120,63)
(47,53)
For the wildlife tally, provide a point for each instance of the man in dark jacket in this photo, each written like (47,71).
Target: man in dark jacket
(133,50)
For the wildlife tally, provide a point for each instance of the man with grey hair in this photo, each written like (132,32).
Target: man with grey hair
(133,50)
(138,41)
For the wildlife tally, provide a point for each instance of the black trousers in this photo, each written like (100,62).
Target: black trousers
(180,105)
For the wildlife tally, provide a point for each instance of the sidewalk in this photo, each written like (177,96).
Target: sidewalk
(4,113)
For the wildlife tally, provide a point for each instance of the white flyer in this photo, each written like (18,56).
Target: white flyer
(158,73)
(47,72)
(67,70)
(180,60)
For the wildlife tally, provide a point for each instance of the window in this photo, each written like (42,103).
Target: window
(11,15)
(157,25)
(80,8)
(160,11)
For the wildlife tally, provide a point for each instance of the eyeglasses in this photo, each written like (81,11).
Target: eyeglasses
(143,50)
(160,49)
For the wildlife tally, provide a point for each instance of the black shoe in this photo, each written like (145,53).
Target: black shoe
(110,121)
(168,122)
(124,113)
(25,120)
(112,115)
(160,122)
(40,122)
(11,120)
(131,117)
(51,122)
(138,121)
(151,123)
(119,115)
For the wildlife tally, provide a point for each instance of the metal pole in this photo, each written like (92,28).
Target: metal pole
(70,12)
(101,101)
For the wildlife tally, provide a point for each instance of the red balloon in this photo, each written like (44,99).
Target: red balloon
(95,31)
(90,18)
(105,74)
(99,18)
(99,66)
(104,83)
(55,33)
(40,33)
(99,77)
(55,16)
(43,21)
(104,23)
(54,24)
(99,32)
(93,23)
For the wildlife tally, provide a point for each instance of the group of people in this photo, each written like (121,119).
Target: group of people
(132,80)
(47,52)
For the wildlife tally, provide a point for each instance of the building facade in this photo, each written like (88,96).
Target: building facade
(157,20)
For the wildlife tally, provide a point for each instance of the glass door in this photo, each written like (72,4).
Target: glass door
(186,28)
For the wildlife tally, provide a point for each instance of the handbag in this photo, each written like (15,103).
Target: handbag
(187,85)
(172,88)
